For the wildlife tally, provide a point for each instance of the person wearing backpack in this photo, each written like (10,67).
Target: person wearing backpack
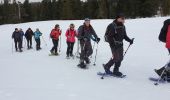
(37,35)
(164,37)
(55,34)
(85,34)
(17,39)
(28,35)
(70,35)
(115,34)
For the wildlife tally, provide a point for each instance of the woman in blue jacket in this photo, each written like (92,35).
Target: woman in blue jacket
(37,35)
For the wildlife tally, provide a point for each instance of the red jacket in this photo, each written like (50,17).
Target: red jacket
(70,34)
(168,38)
(55,33)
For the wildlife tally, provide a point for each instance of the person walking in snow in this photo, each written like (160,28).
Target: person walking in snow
(28,35)
(17,40)
(70,35)
(37,35)
(85,34)
(115,34)
(164,37)
(55,34)
(22,37)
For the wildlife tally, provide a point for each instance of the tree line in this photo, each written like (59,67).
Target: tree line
(12,11)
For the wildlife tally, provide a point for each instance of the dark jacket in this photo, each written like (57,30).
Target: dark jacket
(163,33)
(29,34)
(16,35)
(116,34)
(86,33)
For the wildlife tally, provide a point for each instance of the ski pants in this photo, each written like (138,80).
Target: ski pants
(17,44)
(38,43)
(70,46)
(86,50)
(55,45)
(117,57)
(29,42)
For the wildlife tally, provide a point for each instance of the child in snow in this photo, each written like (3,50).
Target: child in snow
(37,35)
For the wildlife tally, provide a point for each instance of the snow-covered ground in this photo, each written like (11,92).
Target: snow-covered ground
(33,75)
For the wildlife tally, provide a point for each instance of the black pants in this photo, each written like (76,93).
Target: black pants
(70,46)
(86,50)
(29,42)
(117,58)
(38,43)
(55,45)
(17,44)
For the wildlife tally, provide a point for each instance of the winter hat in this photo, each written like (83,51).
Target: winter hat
(16,29)
(86,19)
(71,25)
(120,15)
(56,26)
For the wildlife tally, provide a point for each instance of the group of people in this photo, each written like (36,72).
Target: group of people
(18,36)
(114,35)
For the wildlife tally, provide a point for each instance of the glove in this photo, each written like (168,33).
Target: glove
(131,42)
(98,40)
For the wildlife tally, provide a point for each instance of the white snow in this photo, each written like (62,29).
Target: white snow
(33,75)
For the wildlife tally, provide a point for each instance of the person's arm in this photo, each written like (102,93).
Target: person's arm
(80,32)
(13,35)
(127,38)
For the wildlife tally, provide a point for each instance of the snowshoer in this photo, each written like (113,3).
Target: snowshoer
(55,34)
(17,40)
(22,37)
(85,34)
(37,35)
(165,38)
(28,35)
(70,35)
(115,34)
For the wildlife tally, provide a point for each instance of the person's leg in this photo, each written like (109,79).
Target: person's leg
(56,47)
(68,49)
(15,41)
(53,48)
(20,45)
(31,42)
(118,57)
(27,43)
(71,49)
(36,40)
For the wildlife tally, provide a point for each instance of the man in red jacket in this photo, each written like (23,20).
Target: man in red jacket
(70,35)
(55,34)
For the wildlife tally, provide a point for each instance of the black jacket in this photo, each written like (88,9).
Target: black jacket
(29,34)
(86,32)
(16,35)
(116,33)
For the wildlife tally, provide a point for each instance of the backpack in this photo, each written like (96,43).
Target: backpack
(108,32)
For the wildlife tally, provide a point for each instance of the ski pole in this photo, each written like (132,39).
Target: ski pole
(12,46)
(77,53)
(96,55)
(93,48)
(44,41)
(60,45)
(127,49)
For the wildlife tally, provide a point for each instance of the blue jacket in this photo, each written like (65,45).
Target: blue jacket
(37,34)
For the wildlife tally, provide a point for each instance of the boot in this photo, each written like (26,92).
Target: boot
(87,60)
(81,65)
(160,71)
(116,71)
(107,69)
